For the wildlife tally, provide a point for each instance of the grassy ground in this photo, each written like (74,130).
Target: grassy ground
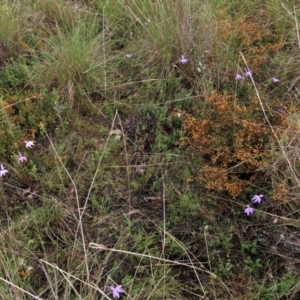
(151,138)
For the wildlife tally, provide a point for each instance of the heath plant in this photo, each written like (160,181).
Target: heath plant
(232,140)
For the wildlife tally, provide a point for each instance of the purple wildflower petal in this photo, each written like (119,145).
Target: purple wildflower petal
(3,171)
(129,55)
(117,291)
(257,198)
(248,73)
(238,77)
(249,210)
(22,158)
(280,110)
(276,79)
(140,169)
(29,144)
(183,59)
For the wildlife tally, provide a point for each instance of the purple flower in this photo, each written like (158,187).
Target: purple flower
(3,171)
(249,210)
(280,110)
(22,158)
(129,55)
(257,198)
(276,79)
(238,76)
(76,6)
(29,144)
(248,73)
(183,59)
(140,169)
(117,291)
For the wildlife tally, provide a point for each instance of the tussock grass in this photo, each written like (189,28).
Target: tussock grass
(143,165)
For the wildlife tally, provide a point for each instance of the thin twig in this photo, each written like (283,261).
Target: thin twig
(19,288)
